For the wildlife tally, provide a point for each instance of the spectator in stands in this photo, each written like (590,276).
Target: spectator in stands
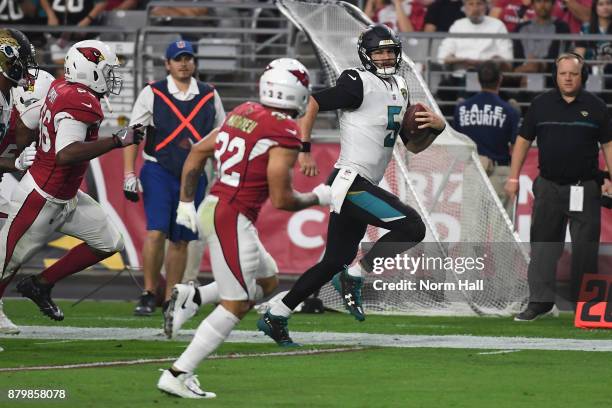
(121,5)
(512,12)
(24,12)
(533,50)
(401,15)
(467,53)
(573,12)
(441,14)
(177,103)
(600,23)
(81,14)
(492,124)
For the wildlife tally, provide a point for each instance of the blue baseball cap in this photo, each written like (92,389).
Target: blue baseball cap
(177,48)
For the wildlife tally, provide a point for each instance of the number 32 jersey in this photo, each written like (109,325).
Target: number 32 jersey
(241,151)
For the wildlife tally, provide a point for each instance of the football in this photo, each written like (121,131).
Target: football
(410,127)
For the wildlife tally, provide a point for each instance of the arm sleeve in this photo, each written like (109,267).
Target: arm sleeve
(504,45)
(143,108)
(528,128)
(514,122)
(346,94)
(68,132)
(446,48)
(219,111)
(31,115)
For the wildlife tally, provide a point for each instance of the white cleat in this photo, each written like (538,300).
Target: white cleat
(6,326)
(185,385)
(180,309)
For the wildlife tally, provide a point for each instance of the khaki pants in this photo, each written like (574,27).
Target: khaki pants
(498,176)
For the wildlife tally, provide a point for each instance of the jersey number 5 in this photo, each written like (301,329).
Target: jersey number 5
(393,125)
(237,146)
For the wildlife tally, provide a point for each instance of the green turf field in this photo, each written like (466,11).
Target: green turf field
(363,377)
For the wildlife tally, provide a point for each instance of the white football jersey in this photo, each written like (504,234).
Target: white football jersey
(5,114)
(368,133)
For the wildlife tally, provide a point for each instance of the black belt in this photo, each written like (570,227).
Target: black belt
(568,183)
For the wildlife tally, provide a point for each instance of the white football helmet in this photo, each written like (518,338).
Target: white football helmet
(25,97)
(288,64)
(286,85)
(92,63)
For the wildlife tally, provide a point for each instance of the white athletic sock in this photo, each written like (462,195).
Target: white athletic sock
(208,337)
(209,293)
(280,309)
(355,271)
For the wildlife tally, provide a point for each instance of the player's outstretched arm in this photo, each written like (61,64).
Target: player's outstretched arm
(308,166)
(428,119)
(282,194)
(71,149)
(194,165)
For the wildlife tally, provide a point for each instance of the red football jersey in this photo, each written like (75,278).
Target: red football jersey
(64,100)
(241,151)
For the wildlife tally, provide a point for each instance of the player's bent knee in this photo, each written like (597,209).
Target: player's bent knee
(268,285)
(110,245)
(238,308)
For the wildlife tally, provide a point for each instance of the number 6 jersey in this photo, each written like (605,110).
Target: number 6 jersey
(241,151)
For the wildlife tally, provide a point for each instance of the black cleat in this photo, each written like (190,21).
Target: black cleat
(536,310)
(40,294)
(349,288)
(276,328)
(146,304)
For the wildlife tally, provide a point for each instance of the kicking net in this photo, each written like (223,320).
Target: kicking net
(445,183)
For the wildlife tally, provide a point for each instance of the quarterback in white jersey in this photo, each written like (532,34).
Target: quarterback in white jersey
(373,99)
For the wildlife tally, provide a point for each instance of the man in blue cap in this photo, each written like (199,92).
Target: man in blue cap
(178,111)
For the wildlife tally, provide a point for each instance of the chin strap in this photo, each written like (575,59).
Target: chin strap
(108,104)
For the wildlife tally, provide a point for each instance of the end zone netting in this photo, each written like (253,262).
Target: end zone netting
(445,183)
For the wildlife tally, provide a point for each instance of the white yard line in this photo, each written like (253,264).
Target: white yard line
(345,339)
(168,359)
(488,353)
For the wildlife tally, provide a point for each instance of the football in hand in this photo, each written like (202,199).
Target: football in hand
(410,127)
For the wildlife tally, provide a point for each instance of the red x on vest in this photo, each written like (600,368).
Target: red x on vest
(185,122)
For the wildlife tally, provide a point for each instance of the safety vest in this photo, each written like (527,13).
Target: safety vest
(178,124)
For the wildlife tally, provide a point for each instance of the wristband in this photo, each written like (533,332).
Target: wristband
(305,147)
(513,180)
(90,18)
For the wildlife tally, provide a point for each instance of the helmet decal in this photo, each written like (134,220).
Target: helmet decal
(302,76)
(91,54)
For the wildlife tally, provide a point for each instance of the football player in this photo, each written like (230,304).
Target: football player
(18,70)
(182,303)
(256,149)
(48,199)
(373,99)
(23,122)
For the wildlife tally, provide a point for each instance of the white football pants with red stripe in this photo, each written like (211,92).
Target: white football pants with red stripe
(34,218)
(237,256)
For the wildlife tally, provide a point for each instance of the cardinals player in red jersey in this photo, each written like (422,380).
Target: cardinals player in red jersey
(255,149)
(48,199)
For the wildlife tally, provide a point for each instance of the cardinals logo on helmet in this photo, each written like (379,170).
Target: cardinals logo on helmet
(301,76)
(91,54)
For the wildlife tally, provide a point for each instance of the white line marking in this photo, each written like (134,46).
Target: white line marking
(167,359)
(314,338)
(487,353)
